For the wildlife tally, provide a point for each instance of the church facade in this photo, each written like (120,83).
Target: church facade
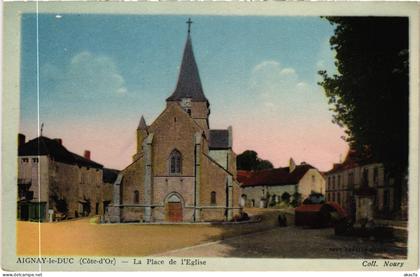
(182,170)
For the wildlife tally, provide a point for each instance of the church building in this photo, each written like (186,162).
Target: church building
(182,170)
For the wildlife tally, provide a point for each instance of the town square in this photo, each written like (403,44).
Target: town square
(194,136)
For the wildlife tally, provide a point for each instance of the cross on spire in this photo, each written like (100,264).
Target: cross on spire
(189,22)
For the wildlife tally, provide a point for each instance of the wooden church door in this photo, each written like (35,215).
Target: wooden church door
(174,209)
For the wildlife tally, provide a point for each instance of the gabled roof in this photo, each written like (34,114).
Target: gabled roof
(43,146)
(352,160)
(219,139)
(152,127)
(189,83)
(273,177)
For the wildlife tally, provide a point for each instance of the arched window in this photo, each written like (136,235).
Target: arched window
(213,198)
(136,197)
(175,160)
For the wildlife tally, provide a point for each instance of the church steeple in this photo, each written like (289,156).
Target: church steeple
(189,92)
(189,83)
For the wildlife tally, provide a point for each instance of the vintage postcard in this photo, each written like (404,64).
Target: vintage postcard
(177,136)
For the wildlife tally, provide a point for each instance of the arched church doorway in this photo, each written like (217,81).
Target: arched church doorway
(174,208)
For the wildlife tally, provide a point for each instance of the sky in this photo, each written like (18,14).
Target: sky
(99,73)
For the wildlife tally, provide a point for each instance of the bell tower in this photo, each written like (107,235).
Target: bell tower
(189,91)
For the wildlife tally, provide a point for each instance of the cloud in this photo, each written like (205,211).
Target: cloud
(287,71)
(86,76)
(270,80)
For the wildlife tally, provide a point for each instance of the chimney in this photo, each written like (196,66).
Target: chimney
(59,140)
(230,136)
(292,165)
(87,154)
(21,140)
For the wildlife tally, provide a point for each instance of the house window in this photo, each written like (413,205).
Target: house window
(350,179)
(25,160)
(339,181)
(34,160)
(329,182)
(333,182)
(213,198)
(375,175)
(365,181)
(175,162)
(136,197)
(339,198)
(386,200)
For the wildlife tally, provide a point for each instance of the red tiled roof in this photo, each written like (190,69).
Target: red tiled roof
(272,177)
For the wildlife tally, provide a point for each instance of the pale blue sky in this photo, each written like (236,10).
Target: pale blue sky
(99,73)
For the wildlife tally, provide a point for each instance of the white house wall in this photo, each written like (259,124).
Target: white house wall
(311,181)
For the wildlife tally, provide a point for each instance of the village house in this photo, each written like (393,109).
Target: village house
(56,183)
(264,188)
(346,179)
(182,170)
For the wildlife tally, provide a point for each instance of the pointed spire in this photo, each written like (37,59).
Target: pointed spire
(189,83)
(142,124)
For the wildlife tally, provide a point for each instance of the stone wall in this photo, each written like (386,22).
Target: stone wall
(164,186)
(173,129)
(133,180)
(90,188)
(63,181)
(199,112)
(216,179)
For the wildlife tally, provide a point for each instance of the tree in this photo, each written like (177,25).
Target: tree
(285,197)
(297,199)
(249,160)
(369,95)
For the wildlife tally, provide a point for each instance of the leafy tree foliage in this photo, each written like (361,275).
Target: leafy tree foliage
(285,197)
(249,160)
(369,95)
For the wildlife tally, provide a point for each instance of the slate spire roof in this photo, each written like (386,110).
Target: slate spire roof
(142,124)
(219,139)
(189,83)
